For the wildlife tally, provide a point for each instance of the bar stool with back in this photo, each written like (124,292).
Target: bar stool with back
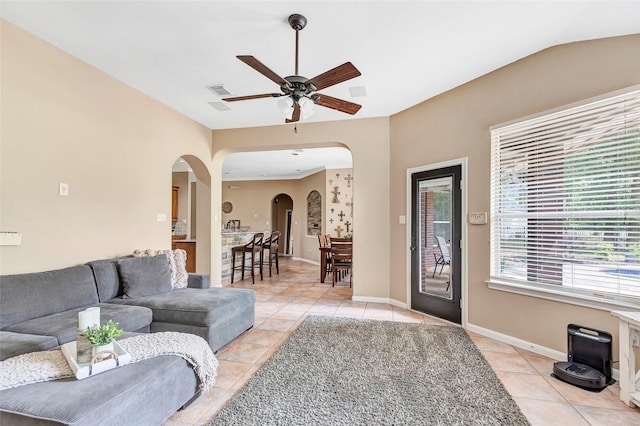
(253,247)
(270,246)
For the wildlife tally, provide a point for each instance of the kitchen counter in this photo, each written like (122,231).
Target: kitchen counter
(232,239)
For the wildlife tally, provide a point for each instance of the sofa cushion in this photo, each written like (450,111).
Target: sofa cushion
(34,295)
(107,279)
(141,393)
(145,276)
(177,264)
(14,344)
(63,325)
(190,306)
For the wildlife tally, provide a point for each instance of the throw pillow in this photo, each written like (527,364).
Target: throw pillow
(177,264)
(144,276)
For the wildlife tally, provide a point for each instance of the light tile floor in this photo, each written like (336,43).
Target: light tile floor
(284,300)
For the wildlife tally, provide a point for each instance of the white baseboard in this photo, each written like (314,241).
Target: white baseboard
(313,262)
(523,344)
(379,300)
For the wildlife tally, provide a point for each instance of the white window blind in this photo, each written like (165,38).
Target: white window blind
(565,200)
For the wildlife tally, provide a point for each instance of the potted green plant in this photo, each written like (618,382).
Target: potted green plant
(102,337)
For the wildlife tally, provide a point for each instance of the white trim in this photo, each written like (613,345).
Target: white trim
(313,262)
(379,300)
(523,344)
(562,296)
(464,291)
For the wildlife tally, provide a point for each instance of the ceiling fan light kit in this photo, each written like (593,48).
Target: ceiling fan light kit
(298,92)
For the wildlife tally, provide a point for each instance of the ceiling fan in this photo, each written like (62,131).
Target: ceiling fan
(299,92)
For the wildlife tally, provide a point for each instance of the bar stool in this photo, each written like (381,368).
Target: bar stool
(270,245)
(253,247)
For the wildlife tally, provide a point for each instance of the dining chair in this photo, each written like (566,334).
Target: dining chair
(325,244)
(341,259)
(253,248)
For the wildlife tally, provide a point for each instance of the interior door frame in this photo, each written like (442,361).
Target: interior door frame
(464,284)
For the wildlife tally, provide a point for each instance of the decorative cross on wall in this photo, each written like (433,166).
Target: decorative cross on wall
(349,178)
(332,210)
(339,231)
(350,204)
(342,215)
(330,182)
(331,220)
(338,175)
(335,193)
(348,225)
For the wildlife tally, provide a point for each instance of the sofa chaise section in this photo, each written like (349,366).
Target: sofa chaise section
(217,314)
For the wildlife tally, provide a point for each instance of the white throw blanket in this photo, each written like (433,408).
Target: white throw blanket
(38,367)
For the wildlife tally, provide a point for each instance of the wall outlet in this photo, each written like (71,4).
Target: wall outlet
(63,189)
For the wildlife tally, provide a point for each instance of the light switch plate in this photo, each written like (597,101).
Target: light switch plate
(402,219)
(478,218)
(161,217)
(63,189)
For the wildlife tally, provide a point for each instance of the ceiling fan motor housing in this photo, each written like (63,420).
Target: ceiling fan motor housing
(297,21)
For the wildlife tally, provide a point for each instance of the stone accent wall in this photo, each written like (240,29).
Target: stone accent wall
(314,213)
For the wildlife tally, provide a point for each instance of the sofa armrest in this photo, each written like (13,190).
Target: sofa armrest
(198,281)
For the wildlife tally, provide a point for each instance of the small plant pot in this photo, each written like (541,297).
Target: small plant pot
(102,351)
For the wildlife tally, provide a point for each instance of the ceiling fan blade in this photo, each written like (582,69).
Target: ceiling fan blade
(336,75)
(262,69)
(296,114)
(245,98)
(335,103)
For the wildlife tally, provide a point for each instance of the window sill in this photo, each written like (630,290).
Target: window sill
(588,301)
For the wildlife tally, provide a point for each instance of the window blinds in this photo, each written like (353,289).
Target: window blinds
(565,199)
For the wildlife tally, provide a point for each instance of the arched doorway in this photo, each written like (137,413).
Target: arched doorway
(191,212)
(281,219)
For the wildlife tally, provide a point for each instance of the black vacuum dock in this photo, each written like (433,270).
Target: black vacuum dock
(589,359)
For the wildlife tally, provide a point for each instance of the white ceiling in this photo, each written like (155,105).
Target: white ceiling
(281,164)
(407,51)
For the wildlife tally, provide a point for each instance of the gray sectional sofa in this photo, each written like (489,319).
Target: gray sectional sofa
(39,311)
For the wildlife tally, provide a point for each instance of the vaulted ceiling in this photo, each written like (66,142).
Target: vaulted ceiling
(407,51)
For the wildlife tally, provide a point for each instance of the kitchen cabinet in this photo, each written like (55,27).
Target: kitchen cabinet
(174,202)
(190,247)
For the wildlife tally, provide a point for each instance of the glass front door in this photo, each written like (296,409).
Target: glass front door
(435,248)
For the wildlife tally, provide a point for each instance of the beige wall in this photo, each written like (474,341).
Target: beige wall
(456,124)
(368,140)
(309,243)
(337,178)
(65,121)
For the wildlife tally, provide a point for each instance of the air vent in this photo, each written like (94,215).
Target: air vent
(219,90)
(357,91)
(220,106)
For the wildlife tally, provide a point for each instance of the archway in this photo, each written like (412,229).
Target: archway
(282,220)
(191,212)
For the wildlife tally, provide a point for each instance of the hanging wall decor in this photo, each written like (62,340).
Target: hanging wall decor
(349,178)
(335,193)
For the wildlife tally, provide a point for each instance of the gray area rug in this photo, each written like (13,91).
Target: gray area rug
(342,371)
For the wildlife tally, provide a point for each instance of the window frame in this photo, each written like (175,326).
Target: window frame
(571,295)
